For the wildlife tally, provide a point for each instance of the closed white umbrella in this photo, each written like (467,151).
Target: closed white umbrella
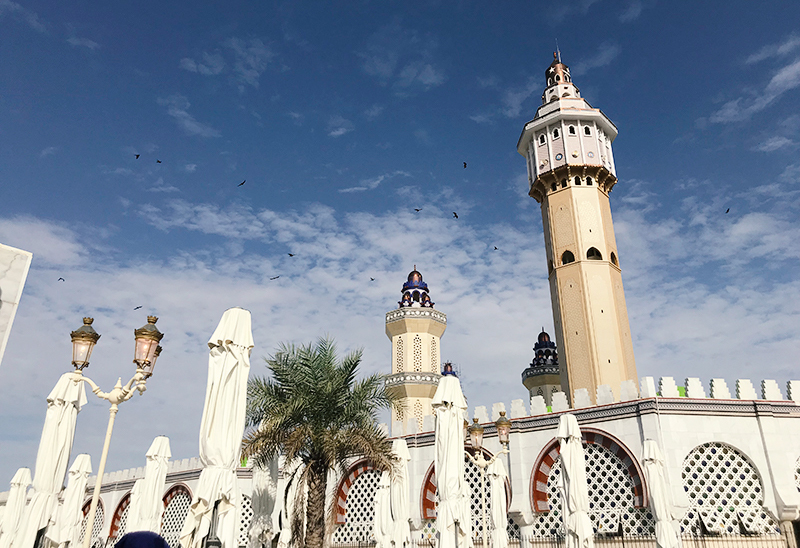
(15,506)
(67,524)
(291,490)
(574,489)
(264,495)
(497,484)
(453,511)
(383,525)
(147,506)
(401,509)
(221,430)
(666,526)
(52,459)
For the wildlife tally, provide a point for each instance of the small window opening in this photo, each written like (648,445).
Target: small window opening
(577,180)
(549,81)
(589,181)
(558,78)
(614,259)
(587,130)
(541,139)
(593,254)
(553,187)
(572,130)
(415,296)
(563,183)
(555,134)
(567,257)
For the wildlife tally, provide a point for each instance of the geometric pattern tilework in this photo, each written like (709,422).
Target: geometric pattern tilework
(177,501)
(120,519)
(245,518)
(612,500)
(473,474)
(797,474)
(359,513)
(725,492)
(97,527)
(345,485)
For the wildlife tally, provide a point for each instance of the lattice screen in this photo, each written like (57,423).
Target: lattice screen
(417,353)
(399,357)
(797,474)
(473,476)
(434,357)
(611,498)
(97,527)
(725,491)
(360,510)
(174,516)
(245,518)
(123,523)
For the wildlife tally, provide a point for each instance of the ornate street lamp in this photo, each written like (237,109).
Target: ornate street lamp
(503,426)
(146,352)
(476,435)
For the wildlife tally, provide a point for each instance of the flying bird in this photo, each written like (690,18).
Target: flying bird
(372,279)
(274,277)
(137,156)
(243,182)
(158,161)
(62,280)
(417,209)
(495,248)
(137,308)
(455,215)
(727,210)
(465,165)
(291,254)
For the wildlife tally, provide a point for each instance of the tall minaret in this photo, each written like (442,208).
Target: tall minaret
(414,329)
(571,171)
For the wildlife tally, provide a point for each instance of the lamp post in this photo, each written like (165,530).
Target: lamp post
(476,439)
(146,353)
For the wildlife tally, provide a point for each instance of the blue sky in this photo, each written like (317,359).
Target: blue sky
(345,116)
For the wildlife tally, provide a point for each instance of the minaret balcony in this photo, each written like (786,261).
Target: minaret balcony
(415,377)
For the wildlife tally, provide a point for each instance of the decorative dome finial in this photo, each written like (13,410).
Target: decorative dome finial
(415,291)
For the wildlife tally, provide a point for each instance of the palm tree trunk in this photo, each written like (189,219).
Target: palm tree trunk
(315,513)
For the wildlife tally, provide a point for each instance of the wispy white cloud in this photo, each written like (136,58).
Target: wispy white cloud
(632,11)
(514,97)
(212,64)
(402,58)
(190,168)
(83,43)
(251,59)
(160,186)
(789,45)
(26,15)
(374,111)
(48,151)
(776,143)
(559,11)
(178,107)
(744,107)
(118,171)
(338,126)
(373,183)
(604,55)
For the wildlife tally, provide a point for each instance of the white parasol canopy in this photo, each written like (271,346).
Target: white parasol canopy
(382,525)
(264,493)
(453,521)
(221,430)
(499,505)
(66,527)
(147,506)
(574,489)
(52,459)
(401,510)
(15,506)
(666,527)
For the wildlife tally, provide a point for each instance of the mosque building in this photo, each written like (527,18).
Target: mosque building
(731,453)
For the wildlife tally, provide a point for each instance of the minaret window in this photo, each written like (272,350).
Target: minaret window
(558,78)
(593,254)
(614,259)
(555,134)
(589,181)
(563,183)
(577,180)
(568,257)
(541,139)
(587,130)
(553,187)
(572,130)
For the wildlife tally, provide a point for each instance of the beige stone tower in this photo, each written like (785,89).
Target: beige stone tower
(414,329)
(571,171)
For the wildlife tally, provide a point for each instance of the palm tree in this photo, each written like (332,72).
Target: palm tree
(314,411)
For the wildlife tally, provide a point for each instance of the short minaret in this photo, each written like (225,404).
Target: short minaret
(414,329)
(571,171)
(542,377)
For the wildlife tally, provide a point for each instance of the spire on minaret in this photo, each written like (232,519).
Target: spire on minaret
(415,291)
(559,81)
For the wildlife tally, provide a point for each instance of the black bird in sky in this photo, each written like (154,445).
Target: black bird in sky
(158,161)
(465,165)
(137,156)
(291,254)
(274,277)
(137,308)
(62,280)
(495,248)
(372,279)
(243,182)
(417,209)
(455,215)
(728,210)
